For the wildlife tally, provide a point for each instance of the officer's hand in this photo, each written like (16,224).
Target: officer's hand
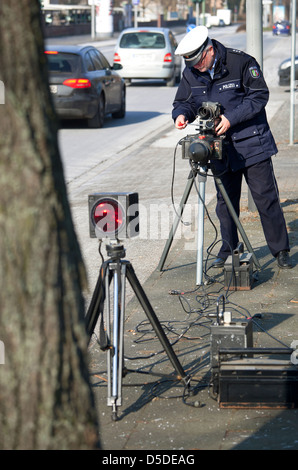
(180,122)
(223,125)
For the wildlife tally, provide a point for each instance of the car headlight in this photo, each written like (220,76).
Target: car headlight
(285,65)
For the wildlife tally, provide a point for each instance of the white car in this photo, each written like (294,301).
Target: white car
(148,53)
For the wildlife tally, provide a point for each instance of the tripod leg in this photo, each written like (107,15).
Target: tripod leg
(96,305)
(201,213)
(115,388)
(115,341)
(175,224)
(142,298)
(236,220)
(121,332)
(115,352)
(110,351)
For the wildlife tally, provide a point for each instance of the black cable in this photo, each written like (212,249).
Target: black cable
(173,180)
(99,251)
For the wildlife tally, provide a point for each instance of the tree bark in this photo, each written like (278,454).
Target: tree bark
(46,400)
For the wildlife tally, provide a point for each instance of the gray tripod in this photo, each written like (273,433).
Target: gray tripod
(201,174)
(117,270)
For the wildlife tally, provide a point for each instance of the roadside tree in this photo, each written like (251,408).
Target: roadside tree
(46,400)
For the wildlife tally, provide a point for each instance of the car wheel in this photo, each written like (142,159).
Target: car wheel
(97,121)
(121,113)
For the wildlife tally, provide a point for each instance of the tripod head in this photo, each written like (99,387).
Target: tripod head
(116,250)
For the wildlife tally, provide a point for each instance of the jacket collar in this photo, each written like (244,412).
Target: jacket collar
(221,64)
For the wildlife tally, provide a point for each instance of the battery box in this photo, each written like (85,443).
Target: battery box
(236,333)
(257,383)
(238,270)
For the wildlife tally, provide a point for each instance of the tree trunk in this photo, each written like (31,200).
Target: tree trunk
(45,396)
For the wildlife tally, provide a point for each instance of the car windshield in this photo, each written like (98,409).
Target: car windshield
(143,40)
(62,62)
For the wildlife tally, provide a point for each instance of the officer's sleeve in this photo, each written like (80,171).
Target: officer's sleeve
(183,102)
(256,94)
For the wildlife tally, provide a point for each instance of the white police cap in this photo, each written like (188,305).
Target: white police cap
(192,45)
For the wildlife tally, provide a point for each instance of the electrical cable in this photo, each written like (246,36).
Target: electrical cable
(173,180)
(206,304)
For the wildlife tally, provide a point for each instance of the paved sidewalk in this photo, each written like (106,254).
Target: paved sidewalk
(155,415)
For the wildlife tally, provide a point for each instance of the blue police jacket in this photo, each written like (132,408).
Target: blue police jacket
(239,86)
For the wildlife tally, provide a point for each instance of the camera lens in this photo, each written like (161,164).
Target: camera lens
(205,112)
(200,152)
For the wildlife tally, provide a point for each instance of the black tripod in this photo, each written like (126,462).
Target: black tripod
(112,339)
(201,173)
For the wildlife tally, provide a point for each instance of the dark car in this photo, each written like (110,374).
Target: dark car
(281,28)
(84,85)
(284,71)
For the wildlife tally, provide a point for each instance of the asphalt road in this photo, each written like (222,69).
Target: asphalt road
(149,105)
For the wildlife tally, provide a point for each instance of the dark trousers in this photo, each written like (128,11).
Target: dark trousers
(262,184)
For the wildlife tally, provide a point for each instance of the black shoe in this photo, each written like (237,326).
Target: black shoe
(218,263)
(283,260)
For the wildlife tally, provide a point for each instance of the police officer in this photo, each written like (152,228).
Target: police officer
(234,79)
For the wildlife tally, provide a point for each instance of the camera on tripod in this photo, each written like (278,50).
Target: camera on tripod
(205,145)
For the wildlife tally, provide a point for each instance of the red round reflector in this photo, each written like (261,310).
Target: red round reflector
(108,216)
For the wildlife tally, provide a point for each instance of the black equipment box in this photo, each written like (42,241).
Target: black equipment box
(238,270)
(236,334)
(257,382)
